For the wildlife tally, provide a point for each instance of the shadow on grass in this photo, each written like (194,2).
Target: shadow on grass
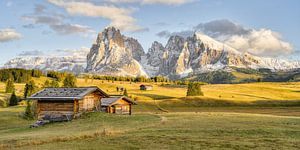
(204,102)
(156,96)
(254,96)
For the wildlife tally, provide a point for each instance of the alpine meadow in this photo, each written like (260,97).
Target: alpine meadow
(149,74)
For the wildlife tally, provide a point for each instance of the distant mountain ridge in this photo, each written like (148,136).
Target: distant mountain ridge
(118,55)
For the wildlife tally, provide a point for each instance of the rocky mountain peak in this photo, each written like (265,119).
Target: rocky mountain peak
(155,54)
(115,54)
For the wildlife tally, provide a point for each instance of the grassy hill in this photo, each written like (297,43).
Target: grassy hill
(177,130)
(229,116)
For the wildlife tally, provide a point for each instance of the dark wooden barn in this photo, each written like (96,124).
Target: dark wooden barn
(117,105)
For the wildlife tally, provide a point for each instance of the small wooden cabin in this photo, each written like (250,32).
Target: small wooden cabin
(146,87)
(69,102)
(117,105)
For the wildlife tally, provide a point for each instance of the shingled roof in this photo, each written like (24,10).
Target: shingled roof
(111,100)
(65,93)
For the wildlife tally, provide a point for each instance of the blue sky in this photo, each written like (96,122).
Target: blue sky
(267,28)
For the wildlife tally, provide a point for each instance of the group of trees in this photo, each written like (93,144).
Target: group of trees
(131,79)
(53,84)
(194,89)
(216,77)
(59,76)
(18,75)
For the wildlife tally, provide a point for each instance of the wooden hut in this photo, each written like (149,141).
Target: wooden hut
(117,105)
(67,102)
(146,87)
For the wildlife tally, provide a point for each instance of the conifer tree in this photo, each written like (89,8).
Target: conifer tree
(54,84)
(28,112)
(46,84)
(13,101)
(194,89)
(125,92)
(70,81)
(10,87)
(30,88)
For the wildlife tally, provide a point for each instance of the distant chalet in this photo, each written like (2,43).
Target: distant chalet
(71,102)
(146,87)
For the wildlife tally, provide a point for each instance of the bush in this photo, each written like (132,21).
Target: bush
(194,89)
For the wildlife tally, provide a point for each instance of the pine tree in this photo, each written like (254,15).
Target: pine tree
(46,84)
(194,89)
(125,92)
(30,88)
(10,87)
(28,112)
(54,84)
(70,81)
(13,101)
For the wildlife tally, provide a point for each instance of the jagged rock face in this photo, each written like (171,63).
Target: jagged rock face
(155,54)
(201,53)
(112,54)
(170,56)
(135,47)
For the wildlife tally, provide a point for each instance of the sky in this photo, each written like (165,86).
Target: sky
(268,28)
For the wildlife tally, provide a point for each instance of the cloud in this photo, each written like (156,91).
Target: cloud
(167,2)
(78,53)
(82,52)
(7,35)
(261,42)
(161,24)
(164,2)
(119,17)
(31,53)
(221,27)
(167,34)
(54,21)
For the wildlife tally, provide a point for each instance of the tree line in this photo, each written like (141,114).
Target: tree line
(19,75)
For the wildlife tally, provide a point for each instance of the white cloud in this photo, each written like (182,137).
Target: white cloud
(7,35)
(164,2)
(55,21)
(78,53)
(167,2)
(263,42)
(120,17)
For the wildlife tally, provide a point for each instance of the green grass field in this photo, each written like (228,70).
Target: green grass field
(228,116)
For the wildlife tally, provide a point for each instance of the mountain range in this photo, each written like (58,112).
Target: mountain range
(118,55)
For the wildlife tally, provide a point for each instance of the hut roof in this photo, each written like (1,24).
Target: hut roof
(111,100)
(65,93)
